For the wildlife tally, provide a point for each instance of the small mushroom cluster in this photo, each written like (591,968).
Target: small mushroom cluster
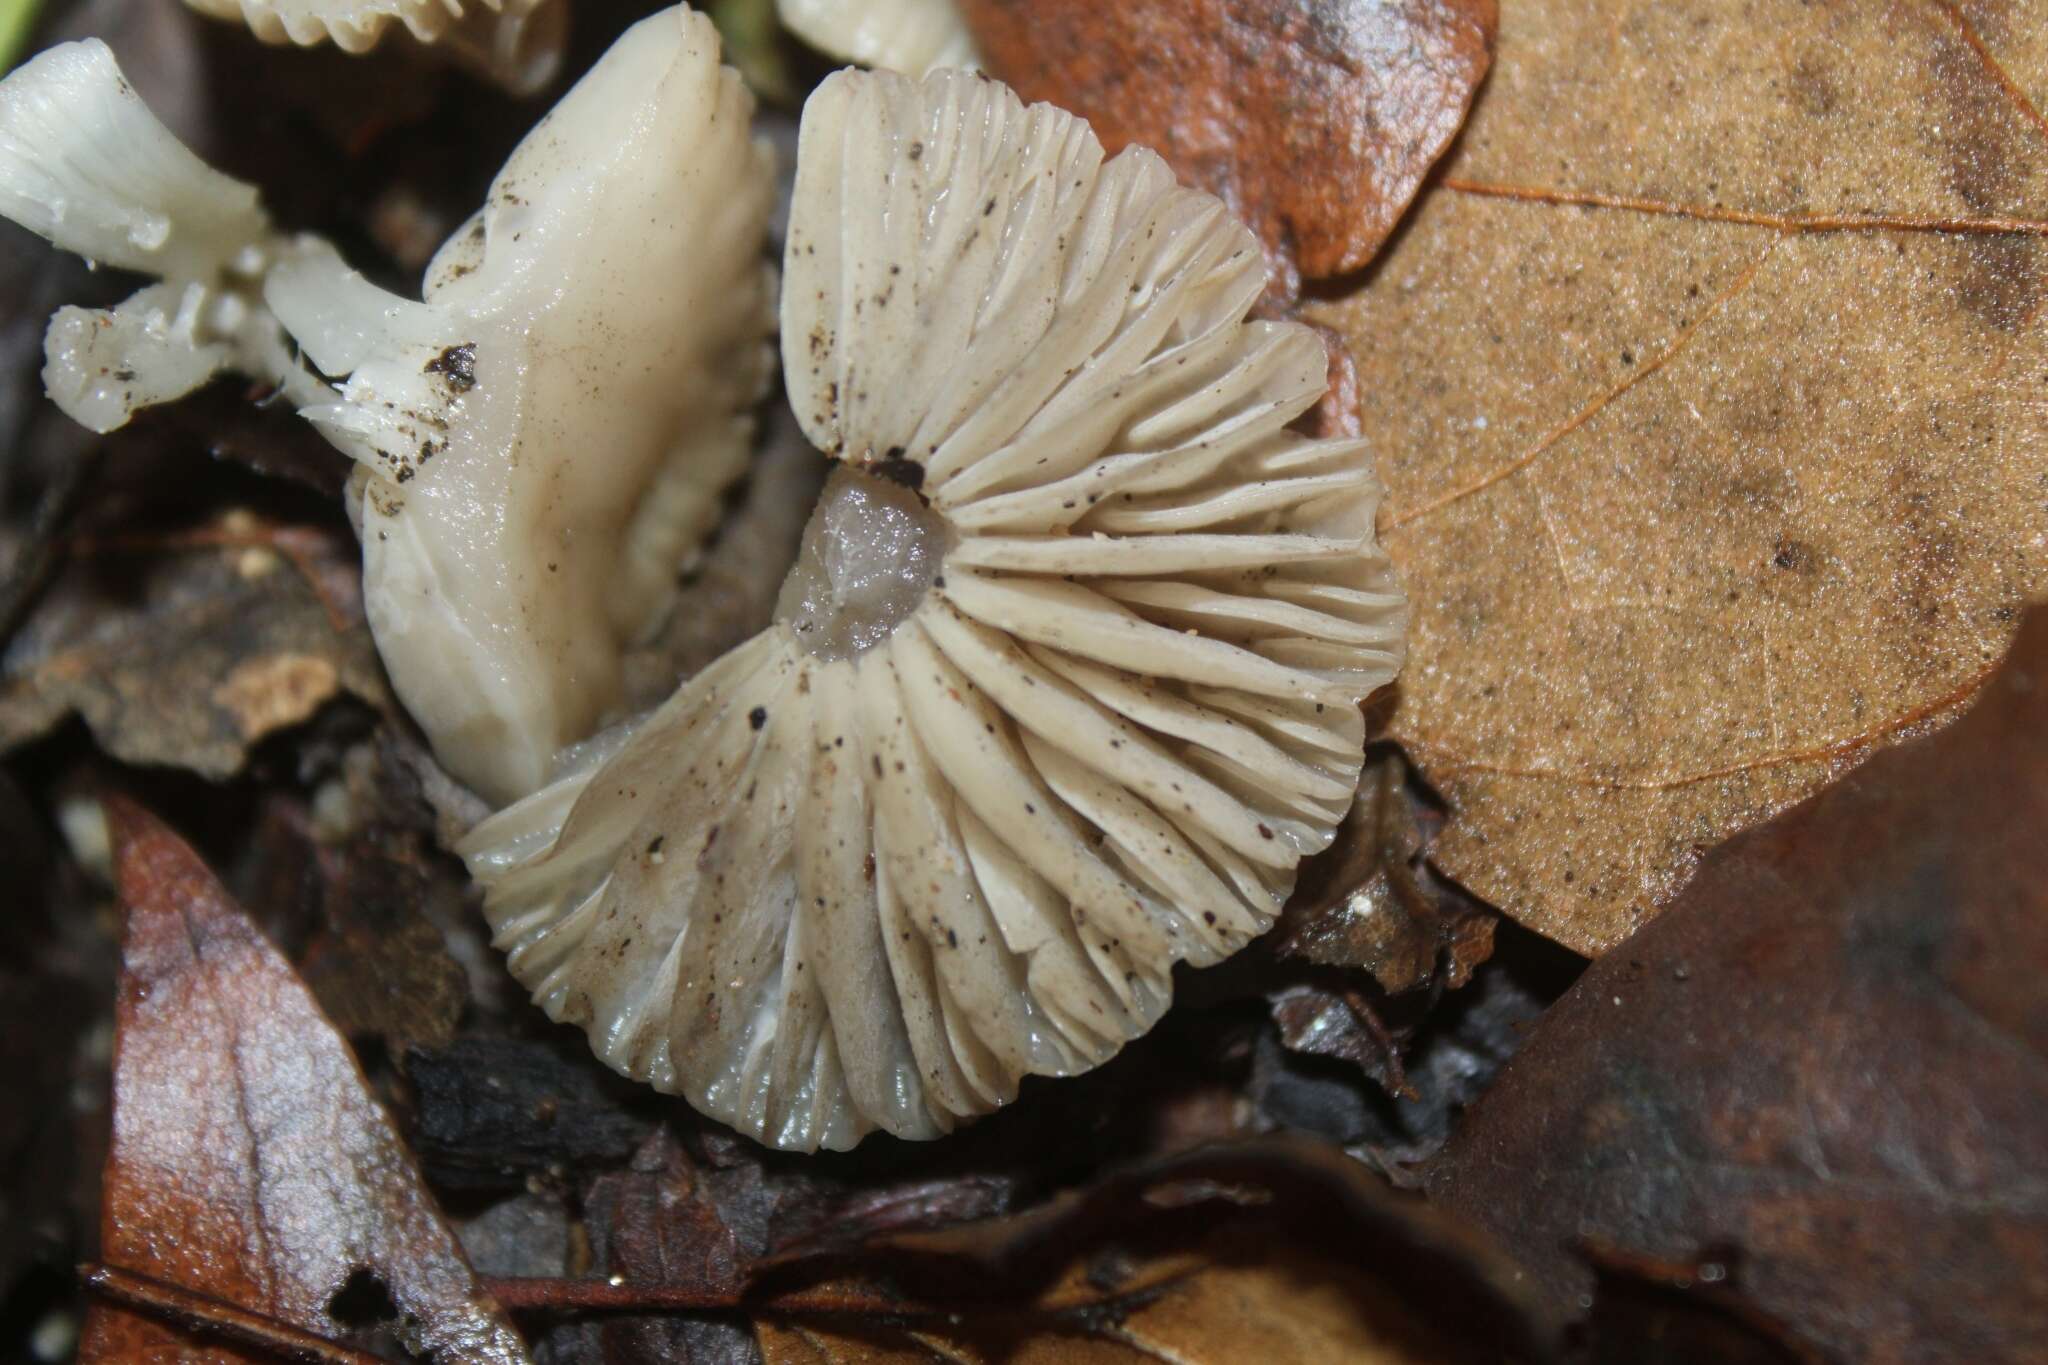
(1064,684)
(539,443)
(1063,687)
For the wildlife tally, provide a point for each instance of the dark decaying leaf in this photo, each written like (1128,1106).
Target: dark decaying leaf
(1830,1056)
(186,647)
(1372,900)
(345,885)
(56,991)
(1692,1312)
(1333,1018)
(1315,120)
(492,1112)
(1280,1251)
(655,1222)
(249,1162)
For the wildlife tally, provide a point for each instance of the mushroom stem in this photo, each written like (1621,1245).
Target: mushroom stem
(870,552)
(541,442)
(85,164)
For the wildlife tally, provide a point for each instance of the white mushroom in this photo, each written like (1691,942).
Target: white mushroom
(912,36)
(541,443)
(517,43)
(84,163)
(1063,687)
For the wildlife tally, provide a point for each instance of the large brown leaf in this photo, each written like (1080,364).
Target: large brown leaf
(1824,1069)
(250,1164)
(1314,120)
(1709,389)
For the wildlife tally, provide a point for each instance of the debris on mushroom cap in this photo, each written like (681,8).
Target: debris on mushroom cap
(540,444)
(912,36)
(517,43)
(1063,688)
(543,440)
(85,164)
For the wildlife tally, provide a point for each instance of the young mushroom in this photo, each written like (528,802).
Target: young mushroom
(912,36)
(539,444)
(1064,684)
(517,43)
(84,163)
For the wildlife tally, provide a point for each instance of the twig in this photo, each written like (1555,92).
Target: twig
(204,1314)
(520,1293)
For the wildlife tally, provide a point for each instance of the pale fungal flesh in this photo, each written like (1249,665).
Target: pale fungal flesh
(517,43)
(911,36)
(545,437)
(84,163)
(1021,739)
(541,443)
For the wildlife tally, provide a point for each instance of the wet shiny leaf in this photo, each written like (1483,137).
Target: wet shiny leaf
(249,1163)
(1314,120)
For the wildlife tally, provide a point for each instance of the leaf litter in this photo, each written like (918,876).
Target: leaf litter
(250,1165)
(1376,1016)
(1314,120)
(1828,1060)
(1706,385)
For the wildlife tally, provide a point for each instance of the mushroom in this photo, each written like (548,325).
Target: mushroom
(912,36)
(1063,687)
(84,163)
(517,43)
(540,443)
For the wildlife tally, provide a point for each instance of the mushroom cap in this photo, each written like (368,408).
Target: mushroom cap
(1071,712)
(517,43)
(545,439)
(911,36)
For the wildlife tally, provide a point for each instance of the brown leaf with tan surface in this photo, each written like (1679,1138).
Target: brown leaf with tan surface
(1708,388)
(186,647)
(1830,1057)
(1314,120)
(249,1163)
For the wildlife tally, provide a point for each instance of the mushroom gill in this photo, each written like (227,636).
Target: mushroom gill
(517,43)
(1064,685)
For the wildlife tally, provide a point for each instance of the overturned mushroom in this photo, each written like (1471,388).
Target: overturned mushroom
(1062,689)
(539,444)
(913,36)
(517,43)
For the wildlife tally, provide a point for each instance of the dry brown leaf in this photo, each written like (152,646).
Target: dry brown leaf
(1314,120)
(186,648)
(1708,385)
(249,1162)
(1825,1069)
